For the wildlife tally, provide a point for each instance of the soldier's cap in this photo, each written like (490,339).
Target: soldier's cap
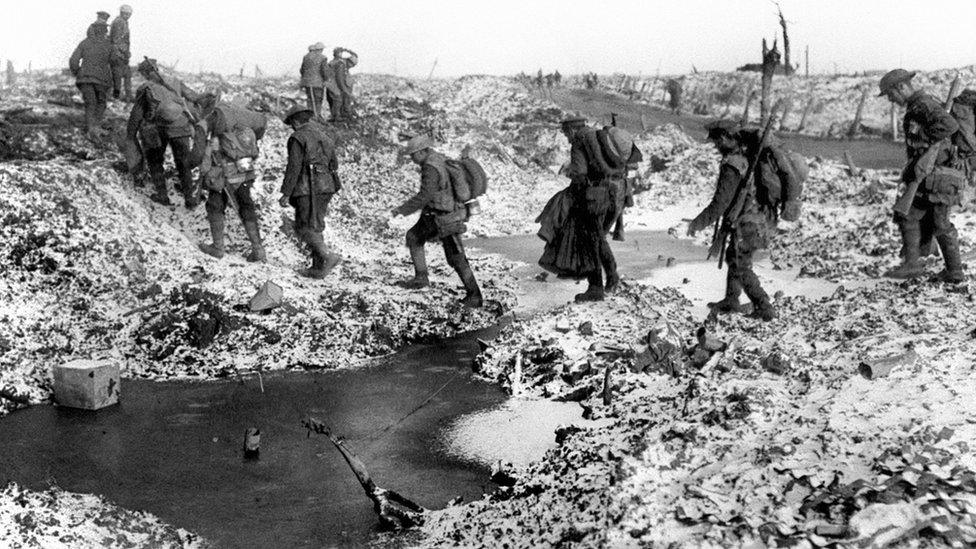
(336,50)
(126,8)
(574,121)
(720,126)
(318,46)
(103,15)
(147,66)
(295,109)
(893,78)
(418,143)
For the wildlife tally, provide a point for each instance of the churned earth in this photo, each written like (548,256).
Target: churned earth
(710,432)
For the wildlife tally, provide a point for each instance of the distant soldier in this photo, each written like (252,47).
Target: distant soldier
(592,185)
(163,118)
(91,65)
(441,218)
(119,35)
(675,89)
(311,179)
(343,60)
(748,232)
(556,77)
(313,76)
(933,177)
(229,172)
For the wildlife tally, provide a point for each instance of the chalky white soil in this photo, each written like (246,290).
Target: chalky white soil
(776,438)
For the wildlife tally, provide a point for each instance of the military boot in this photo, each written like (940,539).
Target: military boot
(472,297)
(594,290)
(320,257)
(612,285)
(257,254)
(763,310)
(730,303)
(420,278)
(910,267)
(217,234)
(950,251)
(160,195)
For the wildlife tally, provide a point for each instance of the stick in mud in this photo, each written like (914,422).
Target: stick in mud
(806,113)
(394,510)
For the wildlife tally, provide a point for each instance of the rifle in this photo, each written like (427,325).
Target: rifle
(925,163)
(186,109)
(720,236)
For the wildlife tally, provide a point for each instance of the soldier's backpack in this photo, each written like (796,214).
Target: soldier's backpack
(964,112)
(616,145)
(468,178)
(780,175)
(239,143)
(166,106)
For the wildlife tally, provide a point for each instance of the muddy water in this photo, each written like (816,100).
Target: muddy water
(175,448)
(650,257)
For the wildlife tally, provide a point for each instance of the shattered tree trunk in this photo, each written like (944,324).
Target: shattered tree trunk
(745,110)
(394,510)
(11,74)
(787,109)
(787,66)
(770,61)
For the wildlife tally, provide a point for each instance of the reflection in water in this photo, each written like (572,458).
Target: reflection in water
(518,432)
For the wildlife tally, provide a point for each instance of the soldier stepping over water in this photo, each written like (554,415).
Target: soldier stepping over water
(442,218)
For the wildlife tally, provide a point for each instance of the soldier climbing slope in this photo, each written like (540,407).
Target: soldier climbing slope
(229,172)
(313,76)
(933,177)
(163,118)
(747,229)
(311,179)
(91,64)
(121,72)
(341,99)
(441,218)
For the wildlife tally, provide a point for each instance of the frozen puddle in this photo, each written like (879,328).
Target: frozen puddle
(519,431)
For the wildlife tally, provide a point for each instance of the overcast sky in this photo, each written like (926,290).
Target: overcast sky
(507,36)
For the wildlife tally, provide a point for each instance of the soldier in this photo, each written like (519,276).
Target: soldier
(119,35)
(441,218)
(593,186)
(161,114)
(932,177)
(228,173)
(746,234)
(91,64)
(313,76)
(341,102)
(311,179)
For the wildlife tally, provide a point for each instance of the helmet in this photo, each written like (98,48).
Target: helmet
(318,46)
(293,111)
(417,144)
(893,78)
(147,66)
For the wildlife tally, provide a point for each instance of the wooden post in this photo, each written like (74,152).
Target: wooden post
(806,113)
(806,61)
(855,126)
(434,66)
(893,115)
(11,73)
(643,122)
